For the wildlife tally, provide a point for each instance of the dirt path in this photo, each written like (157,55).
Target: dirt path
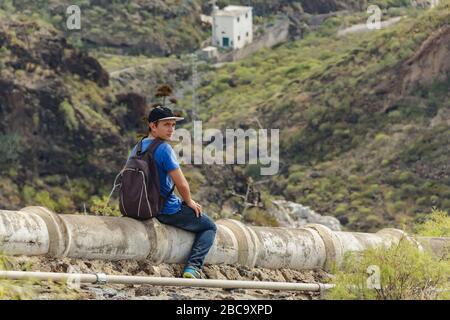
(115,73)
(363,26)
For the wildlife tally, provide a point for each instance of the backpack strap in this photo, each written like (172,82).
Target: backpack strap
(155,144)
(139,147)
(151,150)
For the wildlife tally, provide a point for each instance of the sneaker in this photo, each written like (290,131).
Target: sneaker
(191,272)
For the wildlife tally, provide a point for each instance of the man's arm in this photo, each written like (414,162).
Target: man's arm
(183,188)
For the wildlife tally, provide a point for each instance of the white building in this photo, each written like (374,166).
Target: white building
(232,27)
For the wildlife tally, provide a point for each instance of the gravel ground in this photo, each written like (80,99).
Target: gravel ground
(46,290)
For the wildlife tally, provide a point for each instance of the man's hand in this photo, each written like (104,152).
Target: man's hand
(196,207)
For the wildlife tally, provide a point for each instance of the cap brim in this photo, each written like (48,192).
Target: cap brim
(172,118)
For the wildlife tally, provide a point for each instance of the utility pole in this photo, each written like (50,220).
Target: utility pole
(213,24)
(194,87)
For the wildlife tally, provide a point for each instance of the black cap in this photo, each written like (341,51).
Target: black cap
(162,113)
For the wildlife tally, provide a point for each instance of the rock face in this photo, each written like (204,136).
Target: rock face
(153,27)
(320,6)
(55,108)
(136,105)
(144,79)
(291,214)
(431,62)
(47,49)
(88,68)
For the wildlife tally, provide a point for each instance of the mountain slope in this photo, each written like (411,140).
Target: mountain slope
(157,27)
(363,119)
(59,122)
(152,27)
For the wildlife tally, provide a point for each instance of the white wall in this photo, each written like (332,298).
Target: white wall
(236,31)
(241,28)
(223,28)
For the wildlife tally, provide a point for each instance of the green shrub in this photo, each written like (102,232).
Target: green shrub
(43,198)
(437,224)
(341,209)
(196,180)
(10,148)
(99,207)
(28,194)
(405,53)
(404,273)
(69,115)
(81,188)
(259,217)
(381,138)
(296,177)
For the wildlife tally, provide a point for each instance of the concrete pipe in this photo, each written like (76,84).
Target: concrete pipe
(232,244)
(167,244)
(334,250)
(23,233)
(239,240)
(440,247)
(110,238)
(54,228)
(89,237)
(301,248)
(38,231)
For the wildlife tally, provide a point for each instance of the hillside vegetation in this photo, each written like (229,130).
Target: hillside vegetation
(363,118)
(60,124)
(157,27)
(153,27)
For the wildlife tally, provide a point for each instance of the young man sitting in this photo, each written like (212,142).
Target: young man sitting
(188,214)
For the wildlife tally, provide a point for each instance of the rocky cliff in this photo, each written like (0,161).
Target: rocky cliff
(57,115)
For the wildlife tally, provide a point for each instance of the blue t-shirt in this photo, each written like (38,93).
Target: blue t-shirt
(166,160)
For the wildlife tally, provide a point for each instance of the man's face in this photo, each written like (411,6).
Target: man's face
(164,129)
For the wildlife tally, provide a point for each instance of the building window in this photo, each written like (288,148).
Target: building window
(246,34)
(246,15)
(238,19)
(239,38)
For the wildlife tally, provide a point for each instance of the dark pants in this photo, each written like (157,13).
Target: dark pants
(203,227)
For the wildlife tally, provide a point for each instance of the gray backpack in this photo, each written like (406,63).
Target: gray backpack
(139,188)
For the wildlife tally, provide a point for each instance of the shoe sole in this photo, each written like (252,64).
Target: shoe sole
(189,276)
